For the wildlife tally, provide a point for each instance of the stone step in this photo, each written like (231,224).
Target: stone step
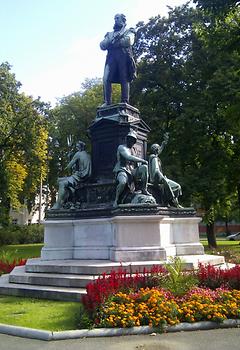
(19,275)
(97,267)
(226,266)
(41,292)
(83,267)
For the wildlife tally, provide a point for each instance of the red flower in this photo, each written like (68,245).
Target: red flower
(7,267)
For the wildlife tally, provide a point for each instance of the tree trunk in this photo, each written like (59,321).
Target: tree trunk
(4,212)
(227,228)
(238,191)
(211,237)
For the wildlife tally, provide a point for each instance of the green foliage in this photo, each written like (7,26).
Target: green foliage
(83,319)
(75,112)
(22,251)
(14,234)
(8,255)
(216,7)
(23,144)
(188,84)
(177,281)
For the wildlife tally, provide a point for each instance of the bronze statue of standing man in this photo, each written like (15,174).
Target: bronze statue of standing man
(120,66)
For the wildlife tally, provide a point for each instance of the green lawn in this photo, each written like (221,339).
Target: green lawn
(23,250)
(37,313)
(230,249)
(40,314)
(220,242)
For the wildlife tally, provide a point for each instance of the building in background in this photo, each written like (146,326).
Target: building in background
(37,214)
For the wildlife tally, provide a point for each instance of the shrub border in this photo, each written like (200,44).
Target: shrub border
(111,332)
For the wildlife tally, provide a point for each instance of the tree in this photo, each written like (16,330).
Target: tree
(187,87)
(23,148)
(220,37)
(217,7)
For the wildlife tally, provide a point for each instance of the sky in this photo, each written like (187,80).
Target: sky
(53,45)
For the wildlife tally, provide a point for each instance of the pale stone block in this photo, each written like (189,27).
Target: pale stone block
(122,238)
(171,250)
(139,231)
(94,232)
(137,254)
(135,231)
(185,230)
(91,252)
(58,233)
(56,253)
(189,249)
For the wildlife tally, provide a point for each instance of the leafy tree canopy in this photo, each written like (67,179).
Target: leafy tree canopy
(23,147)
(188,84)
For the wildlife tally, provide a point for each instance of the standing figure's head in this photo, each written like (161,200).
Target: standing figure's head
(120,21)
(80,145)
(155,148)
(131,138)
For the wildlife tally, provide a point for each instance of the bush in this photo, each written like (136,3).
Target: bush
(178,281)
(27,234)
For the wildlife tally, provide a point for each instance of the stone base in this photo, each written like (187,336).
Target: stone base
(122,238)
(137,254)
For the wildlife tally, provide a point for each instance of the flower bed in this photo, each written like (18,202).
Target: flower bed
(164,296)
(106,285)
(212,277)
(156,307)
(7,263)
(7,267)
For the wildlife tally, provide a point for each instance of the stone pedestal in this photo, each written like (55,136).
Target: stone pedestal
(108,131)
(122,238)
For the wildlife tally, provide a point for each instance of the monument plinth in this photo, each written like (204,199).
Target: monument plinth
(122,237)
(108,131)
